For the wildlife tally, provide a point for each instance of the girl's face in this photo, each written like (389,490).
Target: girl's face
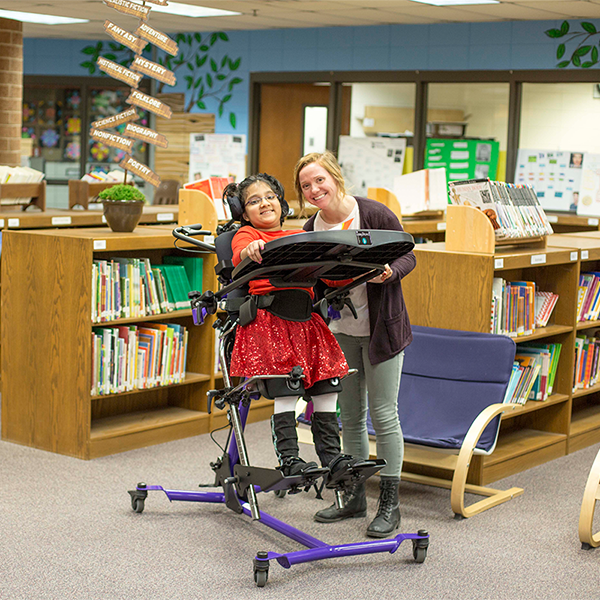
(262,207)
(318,186)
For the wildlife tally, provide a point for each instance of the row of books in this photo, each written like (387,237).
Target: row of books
(131,357)
(519,307)
(533,373)
(514,210)
(133,287)
(588,296)
(587,366)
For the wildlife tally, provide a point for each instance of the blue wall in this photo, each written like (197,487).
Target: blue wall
(457,46)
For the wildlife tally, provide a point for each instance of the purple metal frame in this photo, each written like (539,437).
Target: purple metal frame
(317,549)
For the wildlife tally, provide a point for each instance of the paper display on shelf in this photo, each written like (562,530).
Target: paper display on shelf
(371,162)
(589,188)
(421,191)
(217,155)
(555,176)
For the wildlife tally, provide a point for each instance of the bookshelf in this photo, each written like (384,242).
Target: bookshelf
(35,192)
(451,287)
(571,223)
(80,191)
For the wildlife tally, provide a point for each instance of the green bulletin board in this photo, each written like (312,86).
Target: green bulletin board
(463,159)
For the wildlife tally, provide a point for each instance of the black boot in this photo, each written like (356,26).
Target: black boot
(355,506)
(387,519)
(285,440)
(326,435)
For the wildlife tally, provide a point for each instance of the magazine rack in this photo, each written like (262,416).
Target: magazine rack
(290,261)
(33,193)
(470,230)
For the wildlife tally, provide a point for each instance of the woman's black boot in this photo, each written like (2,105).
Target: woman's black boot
(387,519)
(355,506)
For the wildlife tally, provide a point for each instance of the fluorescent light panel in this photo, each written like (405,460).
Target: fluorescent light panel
(188,10)
(455,2)
(27,17)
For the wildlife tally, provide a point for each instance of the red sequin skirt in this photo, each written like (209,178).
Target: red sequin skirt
(273,346)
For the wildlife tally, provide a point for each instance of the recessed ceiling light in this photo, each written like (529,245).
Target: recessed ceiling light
(187,10)
(456,2)
(27,17)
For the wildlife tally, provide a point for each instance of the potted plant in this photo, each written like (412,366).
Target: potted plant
(123,206)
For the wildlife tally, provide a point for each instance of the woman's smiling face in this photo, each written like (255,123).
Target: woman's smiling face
(262,207)
(318,186)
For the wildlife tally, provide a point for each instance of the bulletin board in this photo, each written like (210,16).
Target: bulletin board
(217,155)
(463,159)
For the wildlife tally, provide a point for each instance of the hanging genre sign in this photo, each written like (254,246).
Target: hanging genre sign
(130,164)
(146,135)
(149,103)
(118,71)
(111,139)
(161,2)
(129,8)
(164,42)
(147,67)
(124,37)
(123,117)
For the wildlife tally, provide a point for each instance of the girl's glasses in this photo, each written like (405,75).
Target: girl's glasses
(256,201)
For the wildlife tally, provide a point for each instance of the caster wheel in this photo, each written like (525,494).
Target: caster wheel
(260,577)
(420,548)
(137,504)
(280,493)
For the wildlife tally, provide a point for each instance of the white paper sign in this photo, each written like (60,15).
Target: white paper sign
(217,155)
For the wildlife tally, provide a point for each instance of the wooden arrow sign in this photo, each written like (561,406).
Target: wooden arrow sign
(118,71)
(130,164)
(111,139)
(149,103)
(163,41)
(124,37)
(113,121)
(154,70)
(129,8)
(161,2)
(146,135)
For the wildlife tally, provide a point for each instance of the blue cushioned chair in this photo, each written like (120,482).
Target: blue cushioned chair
(450,404)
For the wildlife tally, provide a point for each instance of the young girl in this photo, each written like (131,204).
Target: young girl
(273,345)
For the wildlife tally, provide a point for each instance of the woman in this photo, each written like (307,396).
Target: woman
(373,343)
(272,344)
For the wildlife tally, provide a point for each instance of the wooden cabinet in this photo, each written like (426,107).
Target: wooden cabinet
(46,341)
(453,290)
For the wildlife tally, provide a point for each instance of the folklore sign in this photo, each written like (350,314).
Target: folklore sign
(118,71)
(146,135)
(147,67)
(149,103)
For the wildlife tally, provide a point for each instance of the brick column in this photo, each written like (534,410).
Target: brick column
(11,91)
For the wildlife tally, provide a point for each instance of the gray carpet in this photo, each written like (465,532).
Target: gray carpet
(68,532)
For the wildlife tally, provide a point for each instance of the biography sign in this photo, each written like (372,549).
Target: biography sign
(163,41)
(119,72)
(149,103)
(146,135)
(147,174)
(112,139)
(147,67)
(129,8)
(124,37)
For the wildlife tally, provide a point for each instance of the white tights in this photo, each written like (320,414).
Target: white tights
(321,403)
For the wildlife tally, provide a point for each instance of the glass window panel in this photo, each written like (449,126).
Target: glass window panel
(315,129)
(471,111)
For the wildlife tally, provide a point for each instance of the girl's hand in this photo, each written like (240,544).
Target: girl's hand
(385,275)
(252,250)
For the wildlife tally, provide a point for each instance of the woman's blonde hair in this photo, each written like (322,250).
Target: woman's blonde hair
(329,162)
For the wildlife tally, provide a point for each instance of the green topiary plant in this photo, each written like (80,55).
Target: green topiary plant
(122,193)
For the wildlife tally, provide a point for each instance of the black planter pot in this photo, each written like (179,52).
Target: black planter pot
(123,216)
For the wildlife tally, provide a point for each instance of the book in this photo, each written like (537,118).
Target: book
(178,285)
(423,190)
(193,267)
(213,187)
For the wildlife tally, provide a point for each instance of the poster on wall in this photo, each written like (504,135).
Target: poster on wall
(589,188)
(554,175)
(463,159)
(217,155)
(371,162)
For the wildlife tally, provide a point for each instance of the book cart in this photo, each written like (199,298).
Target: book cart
(451,287)
(46,323)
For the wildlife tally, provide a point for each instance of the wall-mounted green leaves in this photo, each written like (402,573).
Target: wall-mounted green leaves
(206,76)
(585,53)
(110,50)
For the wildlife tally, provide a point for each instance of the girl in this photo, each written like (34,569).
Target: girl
(272,344)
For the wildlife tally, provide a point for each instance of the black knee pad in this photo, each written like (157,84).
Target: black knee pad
(325,386)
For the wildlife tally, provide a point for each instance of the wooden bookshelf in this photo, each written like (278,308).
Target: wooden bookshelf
(34,193)
(452,288)
(571,223)
(46,325)
(82,192)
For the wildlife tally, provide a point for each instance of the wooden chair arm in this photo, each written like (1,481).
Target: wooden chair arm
(588,504)
(459,481)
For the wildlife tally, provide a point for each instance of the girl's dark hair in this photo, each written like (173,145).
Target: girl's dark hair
(235,195)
